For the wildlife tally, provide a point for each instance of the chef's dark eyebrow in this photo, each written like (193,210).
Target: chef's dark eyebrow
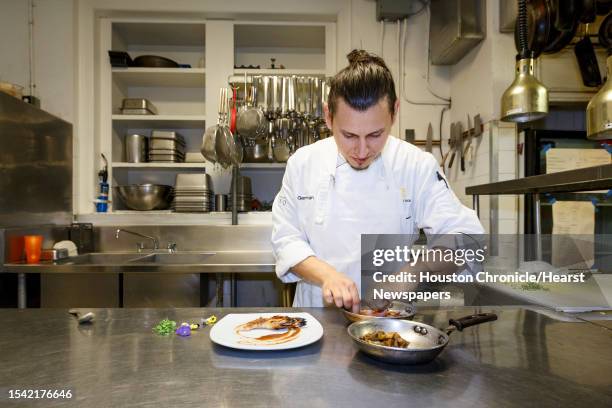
(369,134)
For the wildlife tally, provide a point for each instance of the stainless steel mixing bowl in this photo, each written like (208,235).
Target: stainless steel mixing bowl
(144,197)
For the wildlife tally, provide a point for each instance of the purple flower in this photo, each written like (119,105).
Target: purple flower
(183,331)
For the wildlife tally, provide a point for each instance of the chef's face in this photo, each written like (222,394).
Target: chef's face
(360,135)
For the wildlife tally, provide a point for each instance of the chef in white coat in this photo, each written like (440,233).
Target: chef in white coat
(360,181)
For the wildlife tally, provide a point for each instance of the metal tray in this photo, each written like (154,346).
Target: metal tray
(136,112)
(166,144)
(167,134)
(167,158)
(138,103)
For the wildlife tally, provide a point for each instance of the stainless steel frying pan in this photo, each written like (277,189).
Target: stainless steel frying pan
(425,341)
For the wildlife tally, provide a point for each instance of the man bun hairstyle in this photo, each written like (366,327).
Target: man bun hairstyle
(363,83)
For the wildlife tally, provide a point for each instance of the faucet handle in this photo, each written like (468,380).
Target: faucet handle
(171,247)
(140,246)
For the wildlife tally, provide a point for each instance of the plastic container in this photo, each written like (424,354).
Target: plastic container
(33,248)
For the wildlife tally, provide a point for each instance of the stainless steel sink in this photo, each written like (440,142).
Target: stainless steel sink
(101,258)
(177,258)
(131,258)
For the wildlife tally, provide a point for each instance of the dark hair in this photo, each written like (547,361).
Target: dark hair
(362,83)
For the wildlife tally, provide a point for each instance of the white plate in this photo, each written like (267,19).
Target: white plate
(223,333)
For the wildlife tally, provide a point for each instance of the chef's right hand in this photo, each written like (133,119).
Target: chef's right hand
(342,291)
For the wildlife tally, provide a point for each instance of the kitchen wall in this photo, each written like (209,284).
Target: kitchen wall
(480,78)
(365,32)
(474,84)
(54,51)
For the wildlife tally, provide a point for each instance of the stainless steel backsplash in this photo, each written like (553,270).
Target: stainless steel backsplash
(35,166)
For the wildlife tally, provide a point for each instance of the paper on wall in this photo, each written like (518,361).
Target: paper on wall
(574,225)
(571,159)
(574,218)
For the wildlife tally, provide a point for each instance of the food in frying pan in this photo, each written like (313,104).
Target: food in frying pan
(382,338)
(380,313)
(290,326)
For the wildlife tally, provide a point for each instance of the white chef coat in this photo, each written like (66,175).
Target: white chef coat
(324,206)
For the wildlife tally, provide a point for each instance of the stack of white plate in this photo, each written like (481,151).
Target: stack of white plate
(193,193)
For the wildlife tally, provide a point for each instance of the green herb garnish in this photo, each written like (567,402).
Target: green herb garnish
(165,327)
(530,286)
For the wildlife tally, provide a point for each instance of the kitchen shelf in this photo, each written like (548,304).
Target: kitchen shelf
(311,72)
(161,77)
(585,179)
(161,33)
(162,121)
(124,165)
(253,166)
(167,217)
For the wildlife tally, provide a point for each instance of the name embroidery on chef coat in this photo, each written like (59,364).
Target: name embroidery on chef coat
(404,195)
(405,199)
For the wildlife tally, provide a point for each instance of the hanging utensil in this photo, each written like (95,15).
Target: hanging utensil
(459,131)
(235,142)
(538,25)
(429,142)
(209,140)
(301,115)
(208,144)
(472,133)
(251,122)
(453,144)
(233,112)
(281,147)
(223,135)
(587,60)
(469,135)
(588,11)
(605,32)
(563,25)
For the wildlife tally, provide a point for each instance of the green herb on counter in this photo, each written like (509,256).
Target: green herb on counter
(530,286)
(165,327)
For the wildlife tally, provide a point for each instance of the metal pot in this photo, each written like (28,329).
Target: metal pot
(425,341)
(256,152)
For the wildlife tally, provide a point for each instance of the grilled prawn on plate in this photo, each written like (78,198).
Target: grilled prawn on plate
(291,327)
(273,323)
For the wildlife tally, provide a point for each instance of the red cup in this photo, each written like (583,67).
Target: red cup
(33,248)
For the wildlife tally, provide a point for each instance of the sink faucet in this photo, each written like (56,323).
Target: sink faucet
(140,245)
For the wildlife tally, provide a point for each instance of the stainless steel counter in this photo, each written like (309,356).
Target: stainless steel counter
(523,359)
(136,266)
(219,262)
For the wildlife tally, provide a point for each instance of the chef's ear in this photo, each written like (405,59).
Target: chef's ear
(396,109)
(328,116)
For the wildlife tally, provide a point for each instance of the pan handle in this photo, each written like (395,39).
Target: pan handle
(472,320)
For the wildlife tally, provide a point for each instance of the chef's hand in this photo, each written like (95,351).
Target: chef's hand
(341,290)
(337,287)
